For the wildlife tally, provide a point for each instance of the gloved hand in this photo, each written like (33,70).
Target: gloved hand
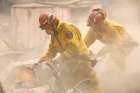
(93,62)
(45,59)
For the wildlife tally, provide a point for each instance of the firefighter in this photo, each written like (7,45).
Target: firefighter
(113,35)
(66,40)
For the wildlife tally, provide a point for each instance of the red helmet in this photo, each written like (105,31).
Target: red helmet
(96,14)
(100,11)
(43,19)
(47,19)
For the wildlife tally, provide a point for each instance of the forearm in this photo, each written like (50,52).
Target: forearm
(48,56)
(90,38)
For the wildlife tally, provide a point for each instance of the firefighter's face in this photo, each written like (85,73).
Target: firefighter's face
(95,18)
(48,28)
(98,19)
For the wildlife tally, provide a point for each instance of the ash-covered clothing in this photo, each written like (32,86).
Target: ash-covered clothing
(67,41)
(111,34)
(75,65)
(117,41)
(78,74)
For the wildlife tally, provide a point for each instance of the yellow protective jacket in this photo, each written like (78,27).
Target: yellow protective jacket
(112,33)
(67,41)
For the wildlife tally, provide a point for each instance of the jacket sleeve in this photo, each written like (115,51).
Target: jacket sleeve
(72,38)
(125,38)
(90,37)
(75,45)
(51,52)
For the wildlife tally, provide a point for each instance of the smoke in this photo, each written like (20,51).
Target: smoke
(116,80)
(112,78)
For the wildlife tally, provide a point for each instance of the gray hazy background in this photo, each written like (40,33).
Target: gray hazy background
(18,43)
